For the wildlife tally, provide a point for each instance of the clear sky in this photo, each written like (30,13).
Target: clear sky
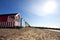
(44,13)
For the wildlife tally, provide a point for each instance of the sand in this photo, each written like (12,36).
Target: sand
(28,34)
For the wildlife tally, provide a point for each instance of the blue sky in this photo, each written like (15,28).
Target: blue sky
(44,13)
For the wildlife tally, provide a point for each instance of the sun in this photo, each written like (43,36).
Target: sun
(49,7)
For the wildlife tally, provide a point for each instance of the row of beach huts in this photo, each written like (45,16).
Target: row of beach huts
(12,20)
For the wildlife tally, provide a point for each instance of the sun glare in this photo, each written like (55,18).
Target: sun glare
(49,7)
(45,8)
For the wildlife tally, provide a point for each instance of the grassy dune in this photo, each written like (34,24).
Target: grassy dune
(28,34)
